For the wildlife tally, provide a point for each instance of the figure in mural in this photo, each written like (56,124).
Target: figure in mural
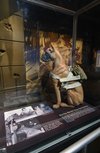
(58,56)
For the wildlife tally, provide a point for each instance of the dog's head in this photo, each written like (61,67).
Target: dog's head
(48,55)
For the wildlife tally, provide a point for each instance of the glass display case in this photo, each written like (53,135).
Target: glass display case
(40,109)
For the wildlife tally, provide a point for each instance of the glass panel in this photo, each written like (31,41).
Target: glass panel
(30,112)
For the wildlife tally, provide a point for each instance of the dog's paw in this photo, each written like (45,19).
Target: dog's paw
(55,106)
(66,105)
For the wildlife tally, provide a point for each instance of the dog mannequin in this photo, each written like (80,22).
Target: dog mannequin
(60,69)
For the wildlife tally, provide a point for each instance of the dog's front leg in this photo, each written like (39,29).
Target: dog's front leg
(57,92)
(59,103)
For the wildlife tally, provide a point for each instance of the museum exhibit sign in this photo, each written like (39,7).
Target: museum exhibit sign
(30,125)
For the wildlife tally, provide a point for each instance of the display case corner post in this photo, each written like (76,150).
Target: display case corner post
(74,37)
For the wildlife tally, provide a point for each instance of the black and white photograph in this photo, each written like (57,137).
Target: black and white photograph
(21,124)
(42,109)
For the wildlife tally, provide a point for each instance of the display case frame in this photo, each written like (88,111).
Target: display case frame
(95,122)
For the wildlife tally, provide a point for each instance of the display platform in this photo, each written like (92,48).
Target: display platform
(30,125)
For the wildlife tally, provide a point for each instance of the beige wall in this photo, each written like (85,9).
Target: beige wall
(12,61)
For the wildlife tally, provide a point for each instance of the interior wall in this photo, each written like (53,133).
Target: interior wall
(88,29)
(12,62)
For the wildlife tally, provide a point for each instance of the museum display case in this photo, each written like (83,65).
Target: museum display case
(45,104)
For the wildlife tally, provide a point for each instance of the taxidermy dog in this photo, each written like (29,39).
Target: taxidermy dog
(58,58)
